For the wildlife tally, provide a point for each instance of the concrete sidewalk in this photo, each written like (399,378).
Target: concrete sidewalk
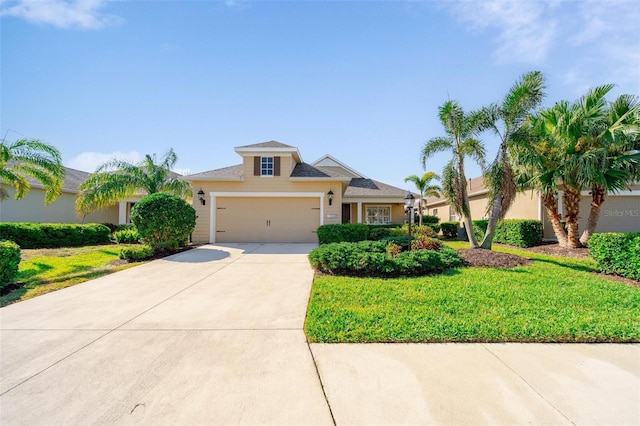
(214,336)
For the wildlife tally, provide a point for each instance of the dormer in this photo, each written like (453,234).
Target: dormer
(268,159)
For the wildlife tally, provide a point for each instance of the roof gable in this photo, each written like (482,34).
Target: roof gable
(330,163)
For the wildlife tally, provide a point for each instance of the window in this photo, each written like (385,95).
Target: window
(266,166)
(378,214)
(435,212)
(453,217)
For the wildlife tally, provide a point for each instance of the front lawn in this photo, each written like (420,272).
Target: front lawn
(555,299)
(45,270)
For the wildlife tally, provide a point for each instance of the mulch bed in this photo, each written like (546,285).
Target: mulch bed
(491,259)
(159,255)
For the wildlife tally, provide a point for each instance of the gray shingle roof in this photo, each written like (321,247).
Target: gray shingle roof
(268,144)
(307,170)
(231,172)
(362,187)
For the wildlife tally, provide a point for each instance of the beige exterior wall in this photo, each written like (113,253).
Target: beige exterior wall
(255,185)
(32,209)
(619,213)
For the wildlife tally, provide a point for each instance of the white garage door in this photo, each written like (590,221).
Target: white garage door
(272,219)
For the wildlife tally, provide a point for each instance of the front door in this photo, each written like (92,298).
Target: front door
(346,213)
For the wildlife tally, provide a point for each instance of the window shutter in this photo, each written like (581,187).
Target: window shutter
(256,166)
(276,166)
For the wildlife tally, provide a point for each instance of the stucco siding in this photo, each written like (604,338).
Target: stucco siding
(617,214)
(32,209)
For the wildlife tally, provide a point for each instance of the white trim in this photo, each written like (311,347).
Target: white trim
(214,195)
(390,200)
(359,211)
(386,206)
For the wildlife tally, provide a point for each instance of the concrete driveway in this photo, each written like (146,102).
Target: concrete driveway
(209,336)
(214,336)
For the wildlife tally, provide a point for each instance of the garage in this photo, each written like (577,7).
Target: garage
(276,219)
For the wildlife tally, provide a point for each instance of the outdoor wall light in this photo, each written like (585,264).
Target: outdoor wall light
(330,194)
(201,197)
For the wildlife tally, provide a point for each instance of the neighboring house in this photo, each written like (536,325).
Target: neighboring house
(32,208)
(274,196)
(619,213)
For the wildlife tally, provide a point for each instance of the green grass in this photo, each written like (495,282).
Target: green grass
(45,270)
(555,299)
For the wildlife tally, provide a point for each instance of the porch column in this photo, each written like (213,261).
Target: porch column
(359,211)
(122,212)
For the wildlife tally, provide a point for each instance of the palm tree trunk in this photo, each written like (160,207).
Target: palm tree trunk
(597,198)
(572,201)
(492,224)
(550,203)
(420,210)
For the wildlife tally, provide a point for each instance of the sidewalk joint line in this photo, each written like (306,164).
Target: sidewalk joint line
(527,383)
(326,399)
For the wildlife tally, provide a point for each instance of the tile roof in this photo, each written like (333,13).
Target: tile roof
(362,187)
(268,144)
(230,173)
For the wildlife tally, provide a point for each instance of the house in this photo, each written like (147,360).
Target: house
(274,196)
(619,213)
(32,208)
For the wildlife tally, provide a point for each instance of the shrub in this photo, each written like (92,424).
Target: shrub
(9,262)
(379,233)
(416,231)
(426,243)
(449,229)
(616,253)
(136,253)
(50,235)
(375,258)
(519,232)
(164,220)
(402,241)
(124,227)
(345,232)
(479,229)
(127,236)
(393,250)
(112,227)
(430,220)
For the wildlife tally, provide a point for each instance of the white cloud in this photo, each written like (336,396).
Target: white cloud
(90,161)
(525,29)
(84,14)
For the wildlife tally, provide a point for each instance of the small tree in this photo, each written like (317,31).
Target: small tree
(423,184)
(164,220)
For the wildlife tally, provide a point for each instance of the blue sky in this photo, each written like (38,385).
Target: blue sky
(361,81)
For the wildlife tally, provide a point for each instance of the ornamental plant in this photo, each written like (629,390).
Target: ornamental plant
(9,261)
(164,221)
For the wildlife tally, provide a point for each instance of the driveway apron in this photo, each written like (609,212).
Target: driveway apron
(209,336)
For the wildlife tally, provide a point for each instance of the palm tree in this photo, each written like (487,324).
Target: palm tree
(612,139)
(586,144)
(34,158)
(505,120)
(423,185)
(460,129)
(116,180)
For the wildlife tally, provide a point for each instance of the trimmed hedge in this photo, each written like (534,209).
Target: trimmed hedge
(519,232)
(136,253)
(616,253)
(336,233)
(430,220)
(449,229)
(370,258)
(51,235)
(9,262)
